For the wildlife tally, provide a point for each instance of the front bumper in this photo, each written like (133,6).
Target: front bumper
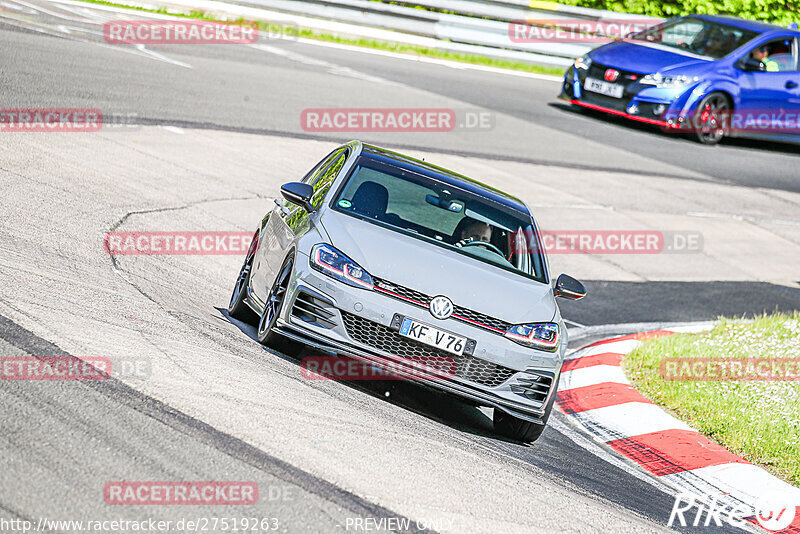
(315,313)
(667,108)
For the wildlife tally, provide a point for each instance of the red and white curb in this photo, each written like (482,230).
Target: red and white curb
(596,395)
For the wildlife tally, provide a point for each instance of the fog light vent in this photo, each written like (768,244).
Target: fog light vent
(532,386)
(314,310)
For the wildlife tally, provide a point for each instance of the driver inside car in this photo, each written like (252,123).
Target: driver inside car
(475,230)
(762,54)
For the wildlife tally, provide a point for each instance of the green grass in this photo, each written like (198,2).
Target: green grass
(400,48)
(758,420)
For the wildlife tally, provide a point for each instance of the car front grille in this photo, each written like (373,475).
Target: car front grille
(598,71)
(404,292)
(459,312)
(384,338)
(626,78)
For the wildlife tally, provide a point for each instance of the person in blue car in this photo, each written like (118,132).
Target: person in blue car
(762,54)
(697,67)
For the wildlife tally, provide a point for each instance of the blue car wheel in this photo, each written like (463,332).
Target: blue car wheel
(711,120)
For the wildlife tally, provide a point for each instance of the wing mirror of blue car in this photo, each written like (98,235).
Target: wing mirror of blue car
(298,193)
(751,64)
(569,288)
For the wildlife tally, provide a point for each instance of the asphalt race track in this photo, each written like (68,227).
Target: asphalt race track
(211,134)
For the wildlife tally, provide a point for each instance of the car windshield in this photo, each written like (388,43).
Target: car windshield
(442,214)
(697,36)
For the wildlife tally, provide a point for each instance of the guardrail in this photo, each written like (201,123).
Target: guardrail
(478,27)
(471,26)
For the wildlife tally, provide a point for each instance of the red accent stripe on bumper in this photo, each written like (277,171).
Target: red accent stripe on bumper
(395,295)
(501,332)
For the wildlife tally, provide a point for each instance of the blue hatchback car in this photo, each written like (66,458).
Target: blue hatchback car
(711,76)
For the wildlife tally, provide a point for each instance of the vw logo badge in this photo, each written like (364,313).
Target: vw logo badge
(441,307)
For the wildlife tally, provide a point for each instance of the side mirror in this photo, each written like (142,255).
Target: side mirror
(569,288)
(298,193)
(751,64)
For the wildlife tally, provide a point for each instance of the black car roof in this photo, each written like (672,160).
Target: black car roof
(443,175)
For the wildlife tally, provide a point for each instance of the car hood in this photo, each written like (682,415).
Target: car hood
(630,56)
(434,270)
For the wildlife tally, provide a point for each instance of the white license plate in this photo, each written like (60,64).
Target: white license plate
(430,335)
(604,88)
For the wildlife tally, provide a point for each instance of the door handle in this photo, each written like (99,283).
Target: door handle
(791,85)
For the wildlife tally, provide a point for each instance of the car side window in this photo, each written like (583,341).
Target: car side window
(323,181)
(776,55)
(321,170)
(314,173)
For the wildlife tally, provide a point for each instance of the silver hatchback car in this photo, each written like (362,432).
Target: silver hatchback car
(414,269)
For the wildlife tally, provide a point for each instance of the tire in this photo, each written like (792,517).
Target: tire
(273,305)
(710,122)
(237,307)
(519,429)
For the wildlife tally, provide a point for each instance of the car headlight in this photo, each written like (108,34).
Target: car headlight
(668,81)
(583,62)
(542,336)
(332,262)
